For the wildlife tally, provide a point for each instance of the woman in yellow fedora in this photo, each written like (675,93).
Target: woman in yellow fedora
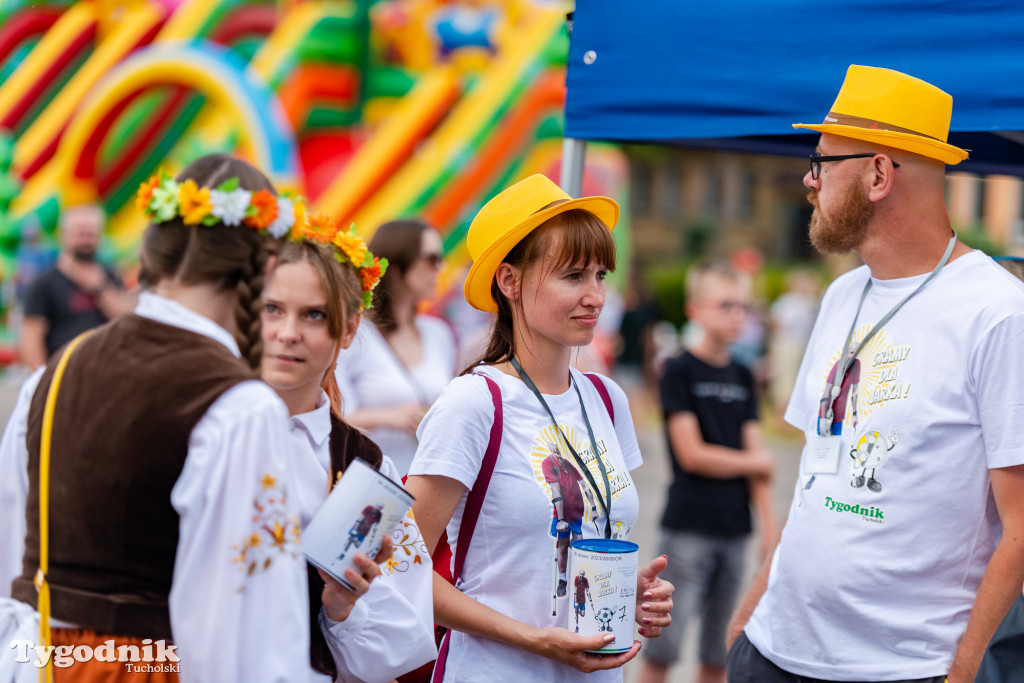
(507,452)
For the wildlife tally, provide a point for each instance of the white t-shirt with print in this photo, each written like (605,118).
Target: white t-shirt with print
(370,376)
(879,563)
(510,565)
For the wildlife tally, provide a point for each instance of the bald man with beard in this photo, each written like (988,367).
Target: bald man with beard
(906,582)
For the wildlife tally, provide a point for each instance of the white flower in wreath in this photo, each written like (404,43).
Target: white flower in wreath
(230,207)
(164,203)
(282,225)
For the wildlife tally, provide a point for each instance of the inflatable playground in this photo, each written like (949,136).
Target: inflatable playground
(372,110)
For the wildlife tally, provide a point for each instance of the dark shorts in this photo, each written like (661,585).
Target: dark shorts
(746,665)
(707,572)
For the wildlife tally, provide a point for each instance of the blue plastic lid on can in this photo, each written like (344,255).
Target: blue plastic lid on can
(606,545)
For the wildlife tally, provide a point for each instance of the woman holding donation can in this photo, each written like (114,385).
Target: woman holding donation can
(167,513)
(398,365)
(311,310)
(539,262)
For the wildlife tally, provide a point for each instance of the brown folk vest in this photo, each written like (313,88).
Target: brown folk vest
(131,395)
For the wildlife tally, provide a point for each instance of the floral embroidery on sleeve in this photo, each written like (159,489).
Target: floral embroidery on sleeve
(273,531)
(410,549)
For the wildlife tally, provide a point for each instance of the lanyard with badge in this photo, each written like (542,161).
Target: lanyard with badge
(605,501)
(823,450)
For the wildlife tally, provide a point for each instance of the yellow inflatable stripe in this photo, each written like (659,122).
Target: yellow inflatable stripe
(74,21)
(40,187)
(467,119)
(125,37)
(394,135)
(186,21)
(215,124)
(294,27)
(125,227)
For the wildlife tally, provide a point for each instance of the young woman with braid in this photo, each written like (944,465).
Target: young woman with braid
(172,512)
(311,310)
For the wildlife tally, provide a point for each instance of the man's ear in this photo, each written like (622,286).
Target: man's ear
(883,175)
(507,276)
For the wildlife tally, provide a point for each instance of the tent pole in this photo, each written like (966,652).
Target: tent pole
(574,152)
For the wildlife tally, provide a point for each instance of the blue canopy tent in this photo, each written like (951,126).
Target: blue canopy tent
(734,74)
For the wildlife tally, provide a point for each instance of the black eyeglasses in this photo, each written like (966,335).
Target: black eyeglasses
(817,160)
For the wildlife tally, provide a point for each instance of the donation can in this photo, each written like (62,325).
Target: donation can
(363,508)
(603,589)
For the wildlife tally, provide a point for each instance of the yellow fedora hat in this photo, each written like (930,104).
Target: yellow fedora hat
(509,217)
(890,108)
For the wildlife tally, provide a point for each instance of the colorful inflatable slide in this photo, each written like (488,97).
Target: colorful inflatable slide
(373,110)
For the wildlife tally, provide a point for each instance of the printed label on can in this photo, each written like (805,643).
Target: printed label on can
(603,590)
(363,508)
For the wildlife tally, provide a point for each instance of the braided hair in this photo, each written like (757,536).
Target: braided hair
(227,257)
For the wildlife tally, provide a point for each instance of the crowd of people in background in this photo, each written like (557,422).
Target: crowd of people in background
(497,428)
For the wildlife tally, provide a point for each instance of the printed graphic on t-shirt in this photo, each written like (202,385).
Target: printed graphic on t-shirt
(726,392)
(875,378)
(575,506)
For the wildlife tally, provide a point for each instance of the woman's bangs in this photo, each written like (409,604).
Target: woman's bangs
(582,239)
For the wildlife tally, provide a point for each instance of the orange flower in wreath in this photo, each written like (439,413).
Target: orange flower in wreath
(319,228)
(371,275)
(145,193)
(265,204)
(195,202)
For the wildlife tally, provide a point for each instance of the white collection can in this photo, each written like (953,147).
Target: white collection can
(603,590)
(363,508)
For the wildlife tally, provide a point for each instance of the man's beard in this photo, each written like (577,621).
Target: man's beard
(84,254)
(846,226)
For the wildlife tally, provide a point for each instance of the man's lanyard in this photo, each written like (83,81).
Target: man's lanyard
(606,506)
(850,358)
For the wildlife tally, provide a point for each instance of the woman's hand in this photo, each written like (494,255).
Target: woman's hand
(338,601)
(653,598)
(566,647)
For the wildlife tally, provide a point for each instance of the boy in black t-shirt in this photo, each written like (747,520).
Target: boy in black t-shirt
(719,468)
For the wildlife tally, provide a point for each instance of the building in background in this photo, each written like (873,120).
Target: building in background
(687,203)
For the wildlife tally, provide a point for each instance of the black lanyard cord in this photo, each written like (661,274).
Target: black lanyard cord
(606,506)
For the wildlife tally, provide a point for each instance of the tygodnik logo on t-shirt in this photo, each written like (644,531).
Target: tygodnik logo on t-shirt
(867,513)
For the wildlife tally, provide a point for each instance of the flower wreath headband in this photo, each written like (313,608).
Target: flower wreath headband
(163,199)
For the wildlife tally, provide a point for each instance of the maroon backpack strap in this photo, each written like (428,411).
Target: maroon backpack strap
(474,503)
(442,659)
(603,391)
